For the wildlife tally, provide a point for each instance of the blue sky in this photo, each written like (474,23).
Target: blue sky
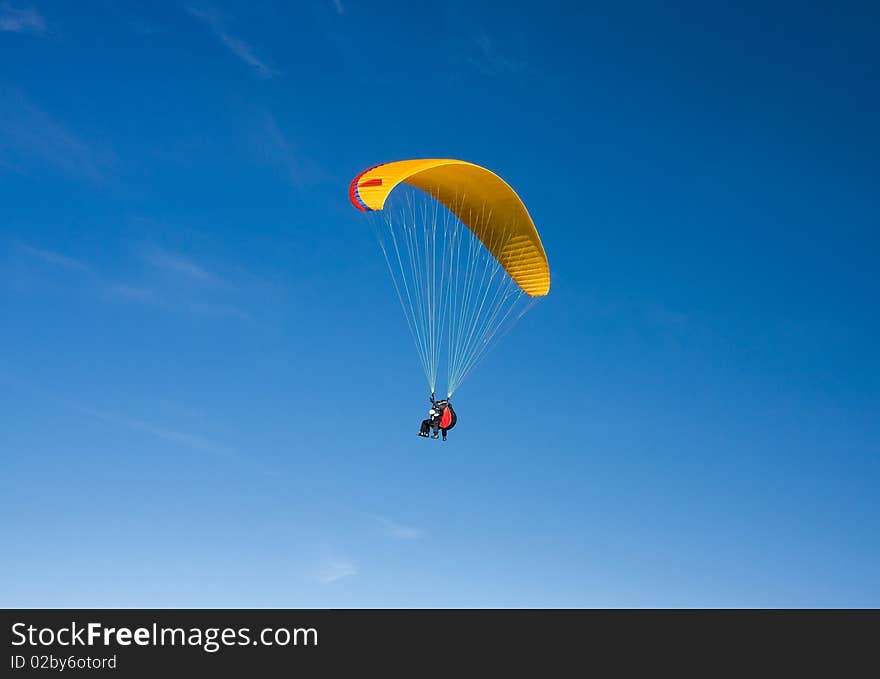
(209,395)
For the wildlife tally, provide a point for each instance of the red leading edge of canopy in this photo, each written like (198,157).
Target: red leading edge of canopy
(353,194)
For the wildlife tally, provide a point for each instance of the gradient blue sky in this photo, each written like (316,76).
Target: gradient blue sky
(208,396)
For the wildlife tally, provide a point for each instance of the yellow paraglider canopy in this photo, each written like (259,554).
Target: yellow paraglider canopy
(483,201)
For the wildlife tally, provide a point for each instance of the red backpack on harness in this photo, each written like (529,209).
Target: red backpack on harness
(448,419)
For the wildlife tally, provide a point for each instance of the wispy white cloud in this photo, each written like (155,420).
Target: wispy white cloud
(171,435)
(339,8)
(646,310)
(31,139)
(397,531)
(177,264)
(277,150)
(55,258)
(333,569)
(142,27)
(247,462)
(21,20)
(189,440)
(218,310)
(132,16)
(666,316)
(132,293)
(174,281)
(170,281)
(488,58)
(178,280)
(216,23)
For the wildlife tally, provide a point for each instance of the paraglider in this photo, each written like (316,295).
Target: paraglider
(441,417)
(465,259)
